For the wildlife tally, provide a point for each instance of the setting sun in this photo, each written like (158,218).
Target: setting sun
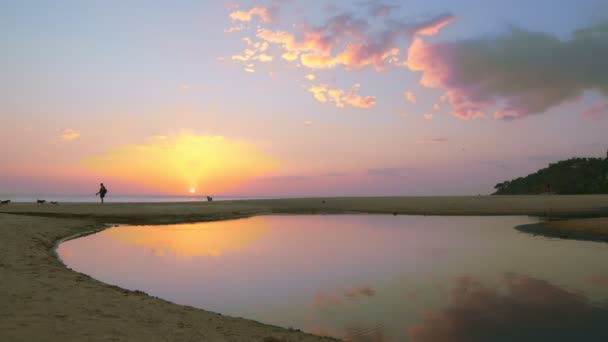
(183,161)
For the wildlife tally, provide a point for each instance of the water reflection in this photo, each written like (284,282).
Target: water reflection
(365,277)
(527,309)
(193,240)
(599,280)
(324,301)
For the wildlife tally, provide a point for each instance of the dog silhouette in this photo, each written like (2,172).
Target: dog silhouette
(39,201)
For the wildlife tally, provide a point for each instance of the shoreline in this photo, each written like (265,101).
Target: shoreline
(44,298)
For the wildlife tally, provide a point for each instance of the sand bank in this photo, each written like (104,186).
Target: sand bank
(43,300)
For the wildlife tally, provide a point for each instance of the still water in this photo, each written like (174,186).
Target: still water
(366,277)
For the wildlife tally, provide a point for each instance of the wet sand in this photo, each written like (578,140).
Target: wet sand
(43,300)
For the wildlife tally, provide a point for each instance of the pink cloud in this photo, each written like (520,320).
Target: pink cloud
(433,26)
(345,40)
(513,75)
(409,97)
(382,10)
(597,112)
(431,141)
(428,116)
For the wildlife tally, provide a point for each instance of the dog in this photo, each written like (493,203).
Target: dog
(39,201)
(5,202)
(55,202)
(209,198)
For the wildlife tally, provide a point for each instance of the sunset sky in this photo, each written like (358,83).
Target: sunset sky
(298,98)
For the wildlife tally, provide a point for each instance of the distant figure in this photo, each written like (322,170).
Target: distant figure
(209,199)
(5,202)
(102,192)
(39,201)
(54,202)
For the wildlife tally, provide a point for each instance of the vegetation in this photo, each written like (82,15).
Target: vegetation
(572,176)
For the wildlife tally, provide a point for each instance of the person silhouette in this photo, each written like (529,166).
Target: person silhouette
(102,192)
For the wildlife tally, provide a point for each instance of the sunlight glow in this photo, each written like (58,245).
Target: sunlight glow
(186,161)
(191,240)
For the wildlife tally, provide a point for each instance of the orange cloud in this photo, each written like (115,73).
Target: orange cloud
(339,97)
(209,164)
(247,16)
(290,56)
(263,58)
(355,100)
(69,134)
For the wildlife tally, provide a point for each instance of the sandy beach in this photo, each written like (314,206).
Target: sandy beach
(43,300)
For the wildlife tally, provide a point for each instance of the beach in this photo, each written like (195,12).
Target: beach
(43,300)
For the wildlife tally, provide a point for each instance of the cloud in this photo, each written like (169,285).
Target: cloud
(381,10)
(431,141)
(343,40)
(174,164)
(348,41)
(263,58)
(432,27)
(288,178)
(528,309)
(385,172)
(597,112)
(513,75)
(334,174)
(409,97)
(310,77)
(68,134)
(261,12)
(339,97)
(436,106)
(428,116)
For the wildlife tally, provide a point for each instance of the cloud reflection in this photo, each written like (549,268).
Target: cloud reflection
(529,309)
(599,280)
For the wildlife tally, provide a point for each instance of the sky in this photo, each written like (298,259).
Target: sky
(297,98)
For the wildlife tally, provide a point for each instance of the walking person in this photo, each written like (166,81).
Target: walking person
(102,192)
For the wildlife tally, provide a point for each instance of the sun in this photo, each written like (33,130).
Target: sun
(192,190)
